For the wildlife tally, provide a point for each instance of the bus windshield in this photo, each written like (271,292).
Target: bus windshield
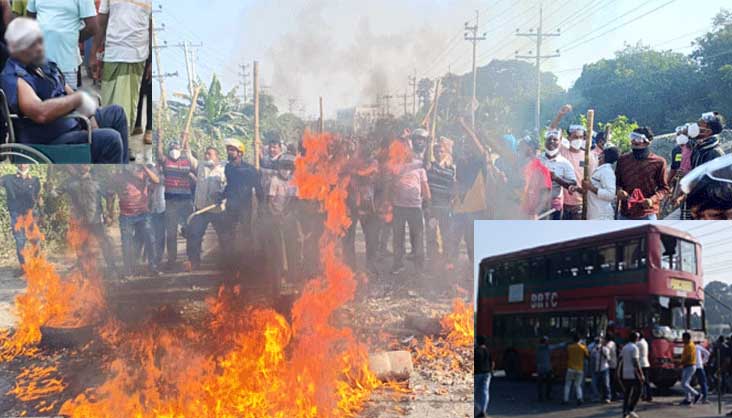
(677,314)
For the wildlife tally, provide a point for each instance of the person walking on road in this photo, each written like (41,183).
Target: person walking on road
(631,375)
(576,355)
(544,374)
(482,379)
(645,365)
(600,370)
(688,361)
(702,357)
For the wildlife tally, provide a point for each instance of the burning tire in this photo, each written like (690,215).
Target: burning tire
(58,337)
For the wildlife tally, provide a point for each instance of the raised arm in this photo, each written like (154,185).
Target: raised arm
(44,112)
(563,111)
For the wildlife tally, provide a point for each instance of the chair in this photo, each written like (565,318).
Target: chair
(40,153)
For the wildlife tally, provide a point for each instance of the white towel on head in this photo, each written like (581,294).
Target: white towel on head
(21,33)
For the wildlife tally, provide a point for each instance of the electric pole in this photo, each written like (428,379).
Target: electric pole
(539,35)
(387,98)
(245,75)
(190,56)
(404,97)
(255,92)
(413,85)
(474,38)
(156,48)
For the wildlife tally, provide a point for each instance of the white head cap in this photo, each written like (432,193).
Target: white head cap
(21,33)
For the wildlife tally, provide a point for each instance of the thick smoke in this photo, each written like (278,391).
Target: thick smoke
(350,53)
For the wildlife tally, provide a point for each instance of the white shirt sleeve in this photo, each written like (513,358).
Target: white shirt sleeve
(606,191)
(104,7)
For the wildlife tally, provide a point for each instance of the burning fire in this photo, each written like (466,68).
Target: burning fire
(460,334)
(240,361)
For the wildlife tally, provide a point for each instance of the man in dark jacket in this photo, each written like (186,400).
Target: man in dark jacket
(22,193)
(242,184)
(482,379)
(706,142)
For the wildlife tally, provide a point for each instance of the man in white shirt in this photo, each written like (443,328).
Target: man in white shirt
(210,183)
(563,176)
(631,374)
(600,354)
(125,33)
(702,356)
(601,188)
(613,363)
(645,366)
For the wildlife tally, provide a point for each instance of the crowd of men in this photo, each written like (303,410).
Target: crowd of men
(634,185)
(42,66)
(614,372)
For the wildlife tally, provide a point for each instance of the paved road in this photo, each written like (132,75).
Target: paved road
(518,399)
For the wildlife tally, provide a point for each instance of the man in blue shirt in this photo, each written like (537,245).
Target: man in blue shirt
(65,23)
(36,90)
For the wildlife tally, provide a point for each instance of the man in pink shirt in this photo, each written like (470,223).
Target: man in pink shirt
(410,192)
(576,156)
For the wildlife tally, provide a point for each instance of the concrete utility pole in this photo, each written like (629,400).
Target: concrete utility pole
(245,75)
(190,56)
(404,97)
(387,98)
(413,85)
(539,35)
(321,124)
(156,48)
(474,38)
(257,139)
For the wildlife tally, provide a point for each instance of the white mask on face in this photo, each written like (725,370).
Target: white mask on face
(576,144)
(552,153)
(693,130)
(682,139)
(174,154)
(209,163)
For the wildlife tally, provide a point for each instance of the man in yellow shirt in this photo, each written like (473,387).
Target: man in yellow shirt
(576,355)
(688,362)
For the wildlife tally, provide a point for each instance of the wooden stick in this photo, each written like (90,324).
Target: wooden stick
(433,125)
(191,111)
(321,125)
(257,139)
(588,145)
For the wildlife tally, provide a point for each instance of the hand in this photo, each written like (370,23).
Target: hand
(184,138)
(554,176)
(623,195)
(587,185)
(648,203)
(95,66)
(565,109)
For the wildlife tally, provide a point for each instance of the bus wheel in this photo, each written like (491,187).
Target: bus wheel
(512,365)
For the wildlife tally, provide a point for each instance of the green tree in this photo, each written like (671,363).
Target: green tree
(714,56)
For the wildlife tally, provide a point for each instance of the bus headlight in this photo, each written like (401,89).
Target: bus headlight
(663,332)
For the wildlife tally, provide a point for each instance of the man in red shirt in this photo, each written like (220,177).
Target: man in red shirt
(641,179)
(132,185)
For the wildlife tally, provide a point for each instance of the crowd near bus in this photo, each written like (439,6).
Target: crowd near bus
(619,313)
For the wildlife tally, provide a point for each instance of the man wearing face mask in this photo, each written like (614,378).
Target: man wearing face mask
(601,187)
(268,162)
(210,182)
(177,166)
(641,179)
(420,139)
(704,135)
(680,156)
(562,173)
(575,154)
(280,223)
(22,194)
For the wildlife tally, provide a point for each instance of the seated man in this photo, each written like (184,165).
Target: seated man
(36,91)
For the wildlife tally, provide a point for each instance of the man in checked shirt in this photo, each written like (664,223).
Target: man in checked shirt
(641,179)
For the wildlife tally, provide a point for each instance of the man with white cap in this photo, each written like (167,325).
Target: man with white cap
(36,90)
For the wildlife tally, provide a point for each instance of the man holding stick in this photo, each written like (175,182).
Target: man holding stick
(562,173)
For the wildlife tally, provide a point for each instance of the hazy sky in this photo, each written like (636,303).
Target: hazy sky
(350,51)
(496,237)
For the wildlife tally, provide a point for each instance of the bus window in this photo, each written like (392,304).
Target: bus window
(632,255)
(695,318)
(688,257)
(671,256)
(587,259)
(488,278)
(519,271)
(537,268)
(606,258)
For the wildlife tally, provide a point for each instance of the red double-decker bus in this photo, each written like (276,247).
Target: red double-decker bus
(646,278)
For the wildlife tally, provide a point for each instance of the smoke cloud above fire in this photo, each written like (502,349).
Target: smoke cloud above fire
(351,53)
